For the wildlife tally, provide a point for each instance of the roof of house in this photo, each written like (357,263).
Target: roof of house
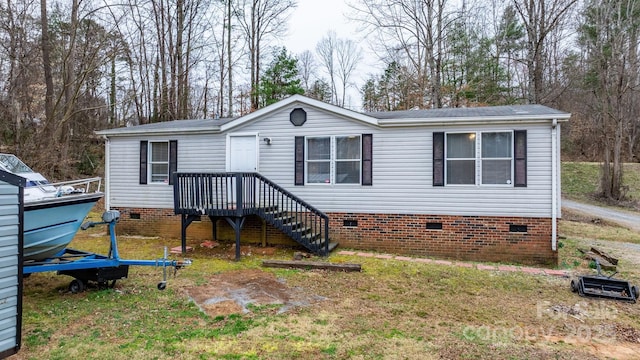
(475,112)
(448,116)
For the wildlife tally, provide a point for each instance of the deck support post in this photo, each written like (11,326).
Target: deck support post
(264,232)
(236,222)
(186,220)
(214,227)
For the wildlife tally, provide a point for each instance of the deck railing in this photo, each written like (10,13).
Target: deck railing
(242,194)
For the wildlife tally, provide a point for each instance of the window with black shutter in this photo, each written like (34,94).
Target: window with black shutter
(158,161)
(333,160)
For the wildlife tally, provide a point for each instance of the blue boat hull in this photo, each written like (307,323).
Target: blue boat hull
(50,225)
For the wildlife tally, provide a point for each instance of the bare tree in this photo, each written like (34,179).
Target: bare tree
(46,61)
(348,56)
(260,20)
(326,50)
(20,67)
(416,31)
(540,19)
(609,36)
(306,68)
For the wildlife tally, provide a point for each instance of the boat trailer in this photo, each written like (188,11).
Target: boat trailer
(103,269)
(604,287)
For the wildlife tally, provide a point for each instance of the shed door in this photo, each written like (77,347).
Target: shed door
(242,153)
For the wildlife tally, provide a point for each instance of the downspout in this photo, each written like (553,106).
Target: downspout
(554,184)
(107,166)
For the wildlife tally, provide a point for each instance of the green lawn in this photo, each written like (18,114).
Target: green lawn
(580,180)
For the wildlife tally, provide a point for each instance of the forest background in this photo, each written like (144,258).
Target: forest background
(68,68)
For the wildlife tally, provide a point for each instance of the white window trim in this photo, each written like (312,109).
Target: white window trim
(307,161)
(333,149)
(478,158)
(150,162)
(512,158)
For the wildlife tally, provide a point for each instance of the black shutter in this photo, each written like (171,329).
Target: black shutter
(144,146)
(520,157)
(173,159)
(367,159)
(299,161)
(438,159)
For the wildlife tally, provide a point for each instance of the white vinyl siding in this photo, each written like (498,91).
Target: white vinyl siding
(197,153)
(402,168)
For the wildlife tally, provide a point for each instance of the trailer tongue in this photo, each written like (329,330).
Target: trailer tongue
(103,269)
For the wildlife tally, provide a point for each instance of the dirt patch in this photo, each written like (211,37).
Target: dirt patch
(238,291)
(606,349)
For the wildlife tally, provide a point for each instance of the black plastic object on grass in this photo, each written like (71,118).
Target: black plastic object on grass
(604,287)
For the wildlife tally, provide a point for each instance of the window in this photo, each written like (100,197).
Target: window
(319,160)
(461,158)
(479,157)
(348,160)
(335,160)
(158,161)
(496,158)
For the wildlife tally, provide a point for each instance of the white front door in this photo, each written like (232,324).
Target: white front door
(242,153)
(242,158)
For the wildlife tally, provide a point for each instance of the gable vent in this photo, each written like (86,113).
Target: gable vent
(298,117)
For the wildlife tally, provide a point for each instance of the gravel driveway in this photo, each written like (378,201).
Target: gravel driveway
(622,218)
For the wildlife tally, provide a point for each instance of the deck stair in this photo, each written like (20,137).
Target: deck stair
(234,196)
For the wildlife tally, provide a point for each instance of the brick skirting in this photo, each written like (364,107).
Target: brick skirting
(474,238)
(164,223)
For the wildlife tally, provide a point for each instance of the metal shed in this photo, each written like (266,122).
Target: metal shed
(11,238)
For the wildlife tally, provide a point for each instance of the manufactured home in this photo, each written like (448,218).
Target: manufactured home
(466,183)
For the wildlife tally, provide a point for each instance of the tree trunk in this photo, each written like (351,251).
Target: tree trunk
(112,93)
(229,71)
(46,62)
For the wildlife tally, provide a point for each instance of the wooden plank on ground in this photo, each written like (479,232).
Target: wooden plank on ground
(604,263)
(609,258)
(296,264)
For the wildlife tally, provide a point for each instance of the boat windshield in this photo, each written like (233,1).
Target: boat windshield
(12,164)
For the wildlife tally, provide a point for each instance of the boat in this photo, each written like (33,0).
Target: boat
(53,212)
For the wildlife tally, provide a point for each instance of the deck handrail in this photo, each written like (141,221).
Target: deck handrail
(289,194)
(249,193)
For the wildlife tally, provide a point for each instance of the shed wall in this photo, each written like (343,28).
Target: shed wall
(9,269)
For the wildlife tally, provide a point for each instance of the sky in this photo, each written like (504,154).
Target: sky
(311,20)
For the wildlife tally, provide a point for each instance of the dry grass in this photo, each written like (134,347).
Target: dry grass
(392,310)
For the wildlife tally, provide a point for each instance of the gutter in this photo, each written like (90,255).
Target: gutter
(482,120)
(107,161)
(105,133)
(554,184)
